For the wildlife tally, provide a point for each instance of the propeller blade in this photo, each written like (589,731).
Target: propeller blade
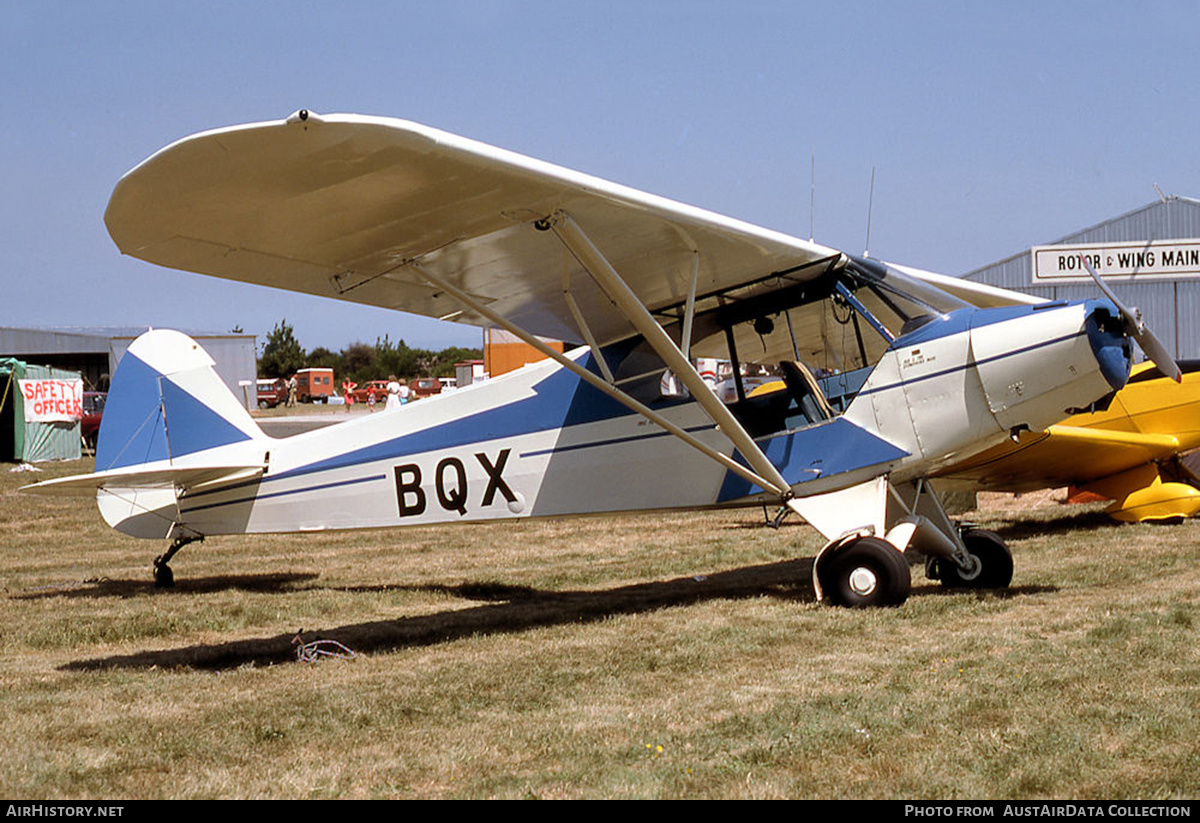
(1157,352)
(1136,328)
(1132,317)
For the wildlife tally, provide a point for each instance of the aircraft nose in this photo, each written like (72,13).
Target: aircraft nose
(1111,345)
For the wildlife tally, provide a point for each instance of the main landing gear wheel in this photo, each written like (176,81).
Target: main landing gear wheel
(868,572)
(991,567)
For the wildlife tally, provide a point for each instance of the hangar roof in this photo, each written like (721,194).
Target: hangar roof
(75,339)
(1167,218)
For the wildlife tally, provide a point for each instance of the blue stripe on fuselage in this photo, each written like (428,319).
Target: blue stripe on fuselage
(961,320)
(561,400)
(833,447)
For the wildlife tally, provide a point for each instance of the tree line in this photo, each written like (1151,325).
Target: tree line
(282,355)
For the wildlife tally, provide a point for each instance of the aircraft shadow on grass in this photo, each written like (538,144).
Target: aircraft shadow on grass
(512,609)
(519,609)
(1074,523)
(108,587)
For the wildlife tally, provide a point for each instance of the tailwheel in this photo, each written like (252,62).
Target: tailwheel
(990,563)
(164,578)
(867,572)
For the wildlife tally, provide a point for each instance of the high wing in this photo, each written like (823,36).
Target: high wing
(362,208)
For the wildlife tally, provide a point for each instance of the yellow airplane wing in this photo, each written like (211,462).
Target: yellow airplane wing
(1129,453)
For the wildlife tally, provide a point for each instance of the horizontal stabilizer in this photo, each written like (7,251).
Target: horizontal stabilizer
(189,478)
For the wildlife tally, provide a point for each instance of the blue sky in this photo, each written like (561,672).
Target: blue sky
(991,127)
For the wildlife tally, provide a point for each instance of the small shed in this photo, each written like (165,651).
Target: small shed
(40,411)
(467,372)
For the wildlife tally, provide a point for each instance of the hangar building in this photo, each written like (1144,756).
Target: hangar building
(95,352)
(1150,257)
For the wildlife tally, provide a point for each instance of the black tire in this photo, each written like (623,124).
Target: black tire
(868,572)
(995,563)
(164,578)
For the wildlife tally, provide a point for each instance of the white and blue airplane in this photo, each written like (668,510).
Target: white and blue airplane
(889,376)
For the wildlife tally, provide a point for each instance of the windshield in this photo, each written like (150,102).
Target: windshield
(842,321)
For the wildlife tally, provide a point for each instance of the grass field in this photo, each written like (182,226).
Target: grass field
(657,656)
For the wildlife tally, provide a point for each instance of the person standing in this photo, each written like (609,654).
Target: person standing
(348,387)
(393,391)
(292,387)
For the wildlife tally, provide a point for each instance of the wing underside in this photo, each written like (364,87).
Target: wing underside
(356,208)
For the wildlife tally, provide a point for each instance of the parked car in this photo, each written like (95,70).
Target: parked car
(426,386)
(380,386)
(271,392)
(93,410)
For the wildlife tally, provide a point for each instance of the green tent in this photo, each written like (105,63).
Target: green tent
(32,441)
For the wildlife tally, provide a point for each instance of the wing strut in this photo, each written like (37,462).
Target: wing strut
(689,312)
(599,383)
(585,329)
(618,290)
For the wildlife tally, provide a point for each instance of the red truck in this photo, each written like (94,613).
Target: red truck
(314,385)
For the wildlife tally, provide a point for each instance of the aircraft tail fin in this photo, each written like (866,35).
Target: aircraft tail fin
(170,425)
(166,402)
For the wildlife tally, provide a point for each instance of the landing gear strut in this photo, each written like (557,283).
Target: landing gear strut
(164,578)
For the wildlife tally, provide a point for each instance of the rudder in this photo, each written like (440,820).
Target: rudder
(166,401)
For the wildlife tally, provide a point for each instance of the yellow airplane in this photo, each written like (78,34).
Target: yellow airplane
(1133,453)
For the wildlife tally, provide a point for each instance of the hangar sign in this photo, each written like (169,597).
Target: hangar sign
(1154,259)
(52,400)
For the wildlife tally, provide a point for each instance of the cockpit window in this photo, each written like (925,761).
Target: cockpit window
(798,349)
(842,321)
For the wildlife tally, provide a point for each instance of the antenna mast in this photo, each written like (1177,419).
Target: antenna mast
(812,197)
(870,203)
